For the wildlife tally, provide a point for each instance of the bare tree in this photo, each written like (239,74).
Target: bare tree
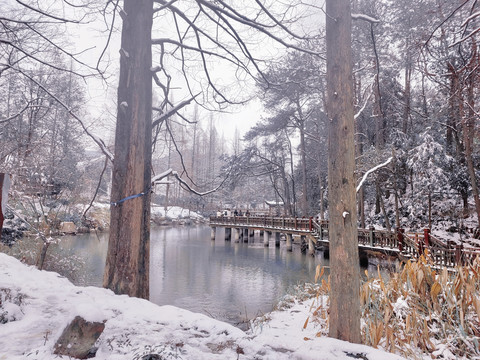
(203,31)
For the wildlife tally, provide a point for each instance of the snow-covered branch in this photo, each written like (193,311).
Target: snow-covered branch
(359,112)
(170,172)
(465,37)
(372,170)
(365,18)
(470,18)
(172,111)
(17,114)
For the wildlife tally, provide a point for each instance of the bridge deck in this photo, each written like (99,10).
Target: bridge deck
(403,245)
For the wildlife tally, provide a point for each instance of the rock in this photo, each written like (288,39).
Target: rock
(78,339)
(68,227)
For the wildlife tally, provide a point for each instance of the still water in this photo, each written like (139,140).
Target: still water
(229,281)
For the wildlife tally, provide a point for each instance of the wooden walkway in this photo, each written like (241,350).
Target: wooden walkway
(314,232)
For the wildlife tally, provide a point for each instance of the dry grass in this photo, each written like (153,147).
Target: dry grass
(419,312)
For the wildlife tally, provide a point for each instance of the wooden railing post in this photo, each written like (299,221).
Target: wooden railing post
(458,255)
(426,237)
(310,223)
(419,244)
(400,234)
(372,235)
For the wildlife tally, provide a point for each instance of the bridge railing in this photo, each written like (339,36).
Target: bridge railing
(377,238)
(440,252)
(410,244)
(288,223)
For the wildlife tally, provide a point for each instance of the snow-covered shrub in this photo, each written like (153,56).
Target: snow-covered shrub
(10,305)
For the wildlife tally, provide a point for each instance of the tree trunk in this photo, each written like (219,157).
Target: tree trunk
(395,189)
(322,191)
(452,109)
(455,112)
(382,207)
(408,76)
(2,206)
(344,261)
(293,203)
(127,264)
(430,210)
(303,157)
(304,170)
(359,152)
(42,255)
(468,130)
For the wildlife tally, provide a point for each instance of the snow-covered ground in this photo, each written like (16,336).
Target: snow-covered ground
(40,304)
(174,212)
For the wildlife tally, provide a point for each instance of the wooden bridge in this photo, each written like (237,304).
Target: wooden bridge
(313,234)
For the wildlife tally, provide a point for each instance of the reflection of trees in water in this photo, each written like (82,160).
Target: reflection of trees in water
(59,259)
(79,258)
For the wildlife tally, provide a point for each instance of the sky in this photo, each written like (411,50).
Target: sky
(102,95)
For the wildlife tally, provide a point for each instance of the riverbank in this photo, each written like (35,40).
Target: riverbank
(19,223)
(37,305)
(417,314)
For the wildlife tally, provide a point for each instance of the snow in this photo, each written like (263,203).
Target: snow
(365,17)
(364,177)
(161,176)
(42,303)
(174,212)
(6,186)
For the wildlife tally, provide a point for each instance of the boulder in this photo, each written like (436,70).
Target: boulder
(68,227)
(78,339)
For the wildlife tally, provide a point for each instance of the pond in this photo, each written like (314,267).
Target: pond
(228,281)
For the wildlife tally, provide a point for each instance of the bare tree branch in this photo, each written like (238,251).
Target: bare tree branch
(95,138)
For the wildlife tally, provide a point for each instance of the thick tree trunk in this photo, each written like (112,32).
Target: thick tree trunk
(455,112)
(344,261)
(127,265)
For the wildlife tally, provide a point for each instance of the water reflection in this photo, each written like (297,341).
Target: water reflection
(226,280)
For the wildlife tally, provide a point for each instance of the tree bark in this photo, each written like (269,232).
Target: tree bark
(303,157)
(468,131)
(344,261)
(127,264)
(359,151)
(2,177)
(408,77)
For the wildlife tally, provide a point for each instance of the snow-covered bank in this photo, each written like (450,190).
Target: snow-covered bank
(40,304)
(174,215)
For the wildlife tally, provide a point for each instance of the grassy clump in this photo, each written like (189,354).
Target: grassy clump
(419,312)
(424,310)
